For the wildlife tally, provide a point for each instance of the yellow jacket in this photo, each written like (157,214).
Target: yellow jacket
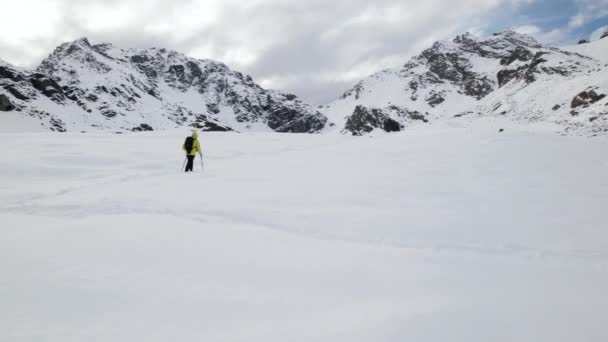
(196,147)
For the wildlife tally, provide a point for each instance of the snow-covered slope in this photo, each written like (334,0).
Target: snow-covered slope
(82,86)
(304,238)
(508,74)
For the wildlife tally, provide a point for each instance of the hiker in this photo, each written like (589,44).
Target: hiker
(192,147)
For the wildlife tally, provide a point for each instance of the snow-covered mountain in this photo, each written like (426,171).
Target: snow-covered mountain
(82,86)
(508,74)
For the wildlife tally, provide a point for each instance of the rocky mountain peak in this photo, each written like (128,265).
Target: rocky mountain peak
(465,38)
(516,39)
(469,76)
(77,53)
(605,35)
(104,86)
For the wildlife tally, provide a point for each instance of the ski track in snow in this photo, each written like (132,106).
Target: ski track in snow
(325,238)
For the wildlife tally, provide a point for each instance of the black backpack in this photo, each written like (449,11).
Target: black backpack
(189,144)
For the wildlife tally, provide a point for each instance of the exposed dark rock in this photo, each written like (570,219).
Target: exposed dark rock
(204,124)
(142,128)
(459,115)
(391,125)
(583,41)
(456,69)
(177,74)
(47,86)
(195,70)
(286,120)
(16,93)
(213,108)
(108,113)
(417,116)
(406,114)
(604,35)
(413,85)
(526,72)
(139,59)
(57,125)
(556,107)
(435,99)
(364,120)
(478,87)
(11,74)
(506,75)
(92,97)
(519,54)
(5,104)
(586,98)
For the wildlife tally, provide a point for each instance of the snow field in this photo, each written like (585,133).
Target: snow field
(436,234)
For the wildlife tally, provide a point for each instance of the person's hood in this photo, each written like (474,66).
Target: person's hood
(195,135)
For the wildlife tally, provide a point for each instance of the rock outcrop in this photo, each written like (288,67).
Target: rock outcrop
(5,104)
(586,98)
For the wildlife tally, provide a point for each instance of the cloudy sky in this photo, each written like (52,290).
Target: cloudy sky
(313,48)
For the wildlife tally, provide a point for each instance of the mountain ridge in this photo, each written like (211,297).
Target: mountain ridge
(83,86)
(470,77)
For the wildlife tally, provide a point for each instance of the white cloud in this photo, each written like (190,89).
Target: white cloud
(314,48)
(598,33)
(552,37)
(588,10)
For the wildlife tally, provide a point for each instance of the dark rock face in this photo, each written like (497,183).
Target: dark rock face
(57,125)
(5,104)
(205,124)
(13,75)
(47,86)
(586,98)
(286,120)
(529,72)
(505,76)
(435,99)
(583,41)
(604,35)
(452,64)
(142,128)
(15,92)
(519,54)
(364,120)
(391,125)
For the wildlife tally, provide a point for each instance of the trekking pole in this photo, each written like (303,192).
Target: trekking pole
(184,166)
(202,165)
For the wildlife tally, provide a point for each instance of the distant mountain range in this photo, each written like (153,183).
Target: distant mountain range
(101,87)
(508,74)
(82,86)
